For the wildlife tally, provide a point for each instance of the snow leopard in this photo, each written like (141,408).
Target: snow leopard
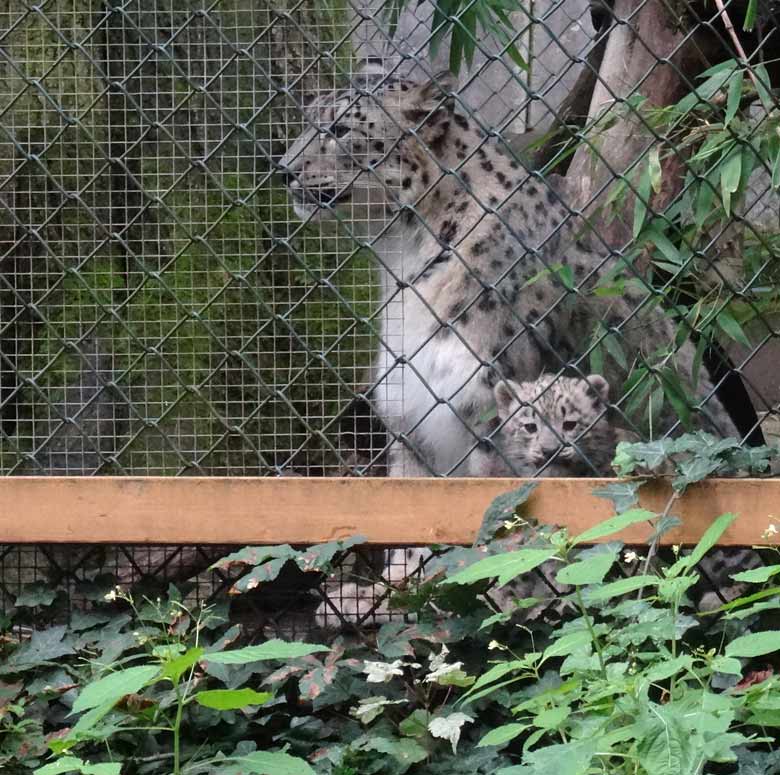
(486,274)
(555,425)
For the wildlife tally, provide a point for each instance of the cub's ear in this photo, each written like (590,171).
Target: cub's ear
(600,385)
(436,93)
(505,393)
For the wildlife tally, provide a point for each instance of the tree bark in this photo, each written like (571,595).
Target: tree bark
(648,53)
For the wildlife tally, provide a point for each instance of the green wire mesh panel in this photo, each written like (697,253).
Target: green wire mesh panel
(180,295)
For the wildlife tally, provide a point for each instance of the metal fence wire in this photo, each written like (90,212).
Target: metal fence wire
(355,238)
(238,239)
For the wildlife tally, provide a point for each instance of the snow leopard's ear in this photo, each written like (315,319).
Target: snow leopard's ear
(600,385)
(436,93)
(505,393)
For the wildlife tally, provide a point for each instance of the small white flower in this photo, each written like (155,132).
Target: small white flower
(111,596)
(494,644)
(382,672)
(770,531)
(676,549)
(630,556)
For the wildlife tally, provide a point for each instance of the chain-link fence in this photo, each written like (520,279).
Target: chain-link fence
(238,239)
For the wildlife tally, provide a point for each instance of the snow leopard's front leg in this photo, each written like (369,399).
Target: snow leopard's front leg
(403,461)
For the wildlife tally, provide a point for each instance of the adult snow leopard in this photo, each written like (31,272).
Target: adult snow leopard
(483,275)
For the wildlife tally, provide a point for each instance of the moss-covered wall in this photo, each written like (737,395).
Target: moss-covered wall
(161,294)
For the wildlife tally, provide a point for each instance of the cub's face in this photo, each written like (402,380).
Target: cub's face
(550,415)
(354,161)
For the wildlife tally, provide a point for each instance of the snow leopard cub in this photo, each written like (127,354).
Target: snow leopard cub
(553,426)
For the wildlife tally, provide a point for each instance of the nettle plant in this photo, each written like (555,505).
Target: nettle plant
(610,669)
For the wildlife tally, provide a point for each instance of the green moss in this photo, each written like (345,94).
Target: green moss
(232,345)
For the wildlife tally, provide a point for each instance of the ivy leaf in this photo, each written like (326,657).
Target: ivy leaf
(36,594)
(43,646)
(501,509)
(231,699)
(112,687)
(449,727)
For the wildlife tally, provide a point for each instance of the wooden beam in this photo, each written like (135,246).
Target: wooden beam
(159,510)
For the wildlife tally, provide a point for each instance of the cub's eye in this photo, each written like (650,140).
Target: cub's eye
(569,426)
(530,427)
(339,130)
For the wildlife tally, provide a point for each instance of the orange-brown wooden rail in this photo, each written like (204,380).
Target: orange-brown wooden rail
(206,510)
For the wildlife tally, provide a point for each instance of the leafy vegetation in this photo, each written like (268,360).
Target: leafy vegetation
(616,671)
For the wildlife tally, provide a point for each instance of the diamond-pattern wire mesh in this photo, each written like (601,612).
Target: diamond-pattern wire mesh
(162,308)
(52,584)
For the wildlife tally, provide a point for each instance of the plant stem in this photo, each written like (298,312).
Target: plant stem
(654,544)
(177,731)
(592,632)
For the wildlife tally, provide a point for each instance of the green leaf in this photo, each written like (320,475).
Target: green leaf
(270,763)
(732,328)
(114,686)
(36,594)
(566,644)
(676,395)
(642,201)
(776,172)
(502,508)
(72,764)
(735,96)
(754,645)
(415,724)
(589,571)
(654,167)
(272,649)
(502,735)
(175,668)
(624,495)
(231,699)
(614,525)
(505,566)
(727,665)
(707,541)
(730,174)
(765,95)
(618,588)
(757,575)
(750,16)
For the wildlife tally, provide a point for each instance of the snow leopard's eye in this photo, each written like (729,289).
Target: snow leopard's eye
(339,130)
(530,427)
(569,426)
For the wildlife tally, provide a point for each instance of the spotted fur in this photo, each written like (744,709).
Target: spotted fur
(553,426)
(471,249)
